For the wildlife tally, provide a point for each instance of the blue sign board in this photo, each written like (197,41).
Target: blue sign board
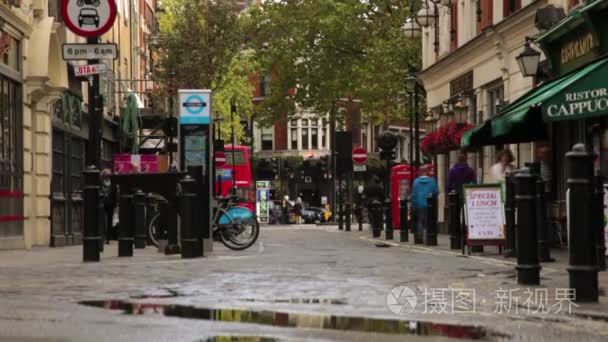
(194,107)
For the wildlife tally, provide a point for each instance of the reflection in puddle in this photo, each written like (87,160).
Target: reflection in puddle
(296,320)
(240,339)
(298,301)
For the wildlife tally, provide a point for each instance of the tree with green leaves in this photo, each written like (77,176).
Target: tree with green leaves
(201,47)
(321,53)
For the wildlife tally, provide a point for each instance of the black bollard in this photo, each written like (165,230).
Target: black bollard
(150,212)
(418,228)
(360,216)
(544,252)
(528,268)
(430,233)
(172,236)
(389,219)
(510,245)
(139,200)
(403,220)
(454,220)
(187,203)
(583,270)
(125,224)
(348,214)
(91,238)
(375,218)
(340,211)
(599,223)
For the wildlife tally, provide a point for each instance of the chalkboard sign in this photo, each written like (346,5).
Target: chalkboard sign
(484,215)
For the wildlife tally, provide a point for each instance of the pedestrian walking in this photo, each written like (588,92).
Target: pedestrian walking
(374,194)
(460,174)
(297,208)
(504,164)
(423,187)
(109,198)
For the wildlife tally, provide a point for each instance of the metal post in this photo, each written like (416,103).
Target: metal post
(599,223)
(412,110)
(544,252)
(91,238)
(140,219)
(189,239)
(583,270)
(125,226)
(149,215)
(430,236)
(403,220)
(418,233)
(454,220)
(172,236)
(510,245)
(340,205)
(528,268)
(389,219)
(417,127)
(348,214)
(93,155)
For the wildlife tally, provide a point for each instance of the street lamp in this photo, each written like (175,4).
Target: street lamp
(411,29)
(426,15)
(411,81)
(528,60)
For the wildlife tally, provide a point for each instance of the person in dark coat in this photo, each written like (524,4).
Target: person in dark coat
(460,174)
(374,194)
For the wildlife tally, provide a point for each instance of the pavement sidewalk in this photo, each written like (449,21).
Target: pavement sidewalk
(554,275)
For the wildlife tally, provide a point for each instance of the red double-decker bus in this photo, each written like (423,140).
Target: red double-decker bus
(236,173)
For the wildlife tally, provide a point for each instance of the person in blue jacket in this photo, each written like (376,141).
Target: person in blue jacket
(423,187)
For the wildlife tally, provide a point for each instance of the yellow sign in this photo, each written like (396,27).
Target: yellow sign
(577,48)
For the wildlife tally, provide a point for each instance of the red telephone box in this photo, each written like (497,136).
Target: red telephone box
(401,181)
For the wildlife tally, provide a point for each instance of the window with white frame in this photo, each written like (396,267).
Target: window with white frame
(305,134)
(314,134)
(267,139)
(496,98)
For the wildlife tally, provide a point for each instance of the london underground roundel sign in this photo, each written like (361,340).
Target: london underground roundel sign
(88,18)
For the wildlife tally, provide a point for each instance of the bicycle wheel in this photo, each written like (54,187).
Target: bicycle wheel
(238,228)
(154,229)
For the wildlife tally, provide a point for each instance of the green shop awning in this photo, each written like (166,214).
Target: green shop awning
(580,94)
(477,136)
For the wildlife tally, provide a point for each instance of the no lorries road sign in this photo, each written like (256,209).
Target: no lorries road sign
(359,155)
(88,18)
(90,69)
(81,52)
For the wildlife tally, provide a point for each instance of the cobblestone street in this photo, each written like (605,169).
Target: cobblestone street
(297,283)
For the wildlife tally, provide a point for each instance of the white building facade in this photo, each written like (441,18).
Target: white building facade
(470,72)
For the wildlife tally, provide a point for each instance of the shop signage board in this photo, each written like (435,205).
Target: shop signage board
(587,97)
(484,214)
(89,70)
(194,106)
(88,18)
(82,52)
(263,199)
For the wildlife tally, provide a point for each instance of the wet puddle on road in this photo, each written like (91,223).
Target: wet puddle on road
(296,320)
(240,339)
(322,301)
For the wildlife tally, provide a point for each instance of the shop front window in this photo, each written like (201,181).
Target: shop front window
(304,134)
(9,49)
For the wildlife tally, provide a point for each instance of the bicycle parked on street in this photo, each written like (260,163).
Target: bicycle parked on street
(235,226)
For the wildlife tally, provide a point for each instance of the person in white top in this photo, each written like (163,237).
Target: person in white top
(504,161)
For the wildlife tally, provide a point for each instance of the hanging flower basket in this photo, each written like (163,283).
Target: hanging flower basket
(445,138)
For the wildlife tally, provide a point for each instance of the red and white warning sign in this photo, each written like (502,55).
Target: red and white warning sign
(89,18)
(220,159)
(359,155)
